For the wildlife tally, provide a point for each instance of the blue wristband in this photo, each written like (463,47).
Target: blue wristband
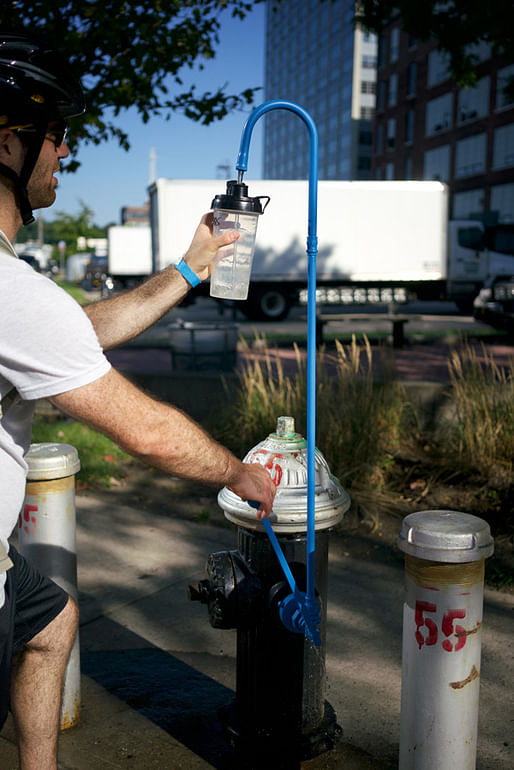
(190,275)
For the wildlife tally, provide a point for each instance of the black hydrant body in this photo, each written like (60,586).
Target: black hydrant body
(280,712)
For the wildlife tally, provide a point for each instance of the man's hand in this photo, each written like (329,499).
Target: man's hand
(255,483)
(204,246)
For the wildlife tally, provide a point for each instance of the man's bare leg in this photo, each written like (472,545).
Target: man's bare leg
(36,690)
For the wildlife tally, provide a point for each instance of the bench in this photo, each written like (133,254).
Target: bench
(398,322)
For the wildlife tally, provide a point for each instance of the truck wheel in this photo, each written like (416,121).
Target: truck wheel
(266,305)
(465,306)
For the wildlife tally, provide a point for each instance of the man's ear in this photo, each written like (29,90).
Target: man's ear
(11,149)
(6,136)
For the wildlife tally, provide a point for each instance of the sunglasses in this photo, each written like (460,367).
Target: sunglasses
(55,135)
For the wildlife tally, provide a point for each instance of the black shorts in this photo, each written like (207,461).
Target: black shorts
(32,601)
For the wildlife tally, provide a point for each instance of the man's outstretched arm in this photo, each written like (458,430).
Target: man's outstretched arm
(119,319)
(164,437)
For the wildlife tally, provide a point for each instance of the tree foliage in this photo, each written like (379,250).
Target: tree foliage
(67,228)
(132,53)
(456,25)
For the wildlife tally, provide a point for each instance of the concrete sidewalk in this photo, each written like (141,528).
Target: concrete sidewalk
(154,672)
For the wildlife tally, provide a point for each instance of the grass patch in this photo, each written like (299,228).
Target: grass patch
(102,462)
(73,290)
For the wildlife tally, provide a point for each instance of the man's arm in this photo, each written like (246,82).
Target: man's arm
(165,437)
(119,319)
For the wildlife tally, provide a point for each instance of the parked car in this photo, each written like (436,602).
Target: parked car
(95,274)
(494,304)
(31,260)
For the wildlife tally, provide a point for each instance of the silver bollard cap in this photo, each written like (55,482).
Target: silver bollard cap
(48,461)
(445,536)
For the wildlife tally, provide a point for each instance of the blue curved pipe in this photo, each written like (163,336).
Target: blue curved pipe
(310,603)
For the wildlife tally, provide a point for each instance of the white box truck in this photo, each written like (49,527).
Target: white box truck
(377,241)
(129,254)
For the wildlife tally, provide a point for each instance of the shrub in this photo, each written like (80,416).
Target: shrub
(359,420)
(481,430)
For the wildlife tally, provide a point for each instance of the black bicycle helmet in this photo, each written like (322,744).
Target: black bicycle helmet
(36,87)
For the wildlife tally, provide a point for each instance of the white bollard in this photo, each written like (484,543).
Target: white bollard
(445,553)
(47,538)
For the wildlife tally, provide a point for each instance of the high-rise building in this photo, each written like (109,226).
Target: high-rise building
(316,57)
(426,127)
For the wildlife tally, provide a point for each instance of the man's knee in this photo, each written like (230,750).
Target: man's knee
(59,634)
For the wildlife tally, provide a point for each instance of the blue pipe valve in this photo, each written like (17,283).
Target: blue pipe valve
(299,612)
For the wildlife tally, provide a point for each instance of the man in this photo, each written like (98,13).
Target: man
(50,348)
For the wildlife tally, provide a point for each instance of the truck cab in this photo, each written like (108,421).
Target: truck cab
(476,254)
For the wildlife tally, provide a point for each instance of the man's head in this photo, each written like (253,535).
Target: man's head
(38,92)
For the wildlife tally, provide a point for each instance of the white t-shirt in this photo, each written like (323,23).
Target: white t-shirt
(47,346)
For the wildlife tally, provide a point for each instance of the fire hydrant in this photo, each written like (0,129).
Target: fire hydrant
(280,710)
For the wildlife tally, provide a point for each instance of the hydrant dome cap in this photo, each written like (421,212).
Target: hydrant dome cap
(284,455)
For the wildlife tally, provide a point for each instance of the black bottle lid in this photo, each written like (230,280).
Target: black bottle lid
(236,199)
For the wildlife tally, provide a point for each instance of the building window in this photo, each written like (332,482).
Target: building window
(367,113)
(470,156)
(382,44)
(366,137)
(437,163)
(389,171)
(409,126)
(393,90)
(473,102)
(394,49)
(368,87)
(381,95)
(502,201)
(379,139)
(408,167)
(479,51)
(467,203)
(503,147)
(391,133)
(505,79)
(369,37)
(412,73)
(369,62)
(437,67)
(439,114)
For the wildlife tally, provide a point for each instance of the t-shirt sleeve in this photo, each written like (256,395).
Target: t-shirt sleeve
(49,345)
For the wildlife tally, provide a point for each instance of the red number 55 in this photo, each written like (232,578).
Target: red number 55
(430,637)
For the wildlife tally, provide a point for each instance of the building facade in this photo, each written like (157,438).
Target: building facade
(316,58)
(136,215)
(426,127)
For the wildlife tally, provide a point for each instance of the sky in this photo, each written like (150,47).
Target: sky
(110,178)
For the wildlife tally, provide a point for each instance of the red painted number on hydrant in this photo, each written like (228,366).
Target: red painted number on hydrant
(272,464)
(430,635)
(30,525)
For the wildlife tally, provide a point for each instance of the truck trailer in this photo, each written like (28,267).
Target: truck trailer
(378,242)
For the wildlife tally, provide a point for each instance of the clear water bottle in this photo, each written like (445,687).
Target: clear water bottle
(230,274)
